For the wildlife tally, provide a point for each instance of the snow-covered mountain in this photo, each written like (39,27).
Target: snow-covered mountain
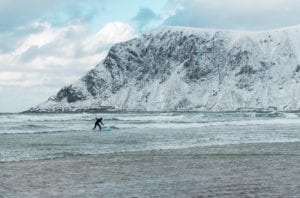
(176,68)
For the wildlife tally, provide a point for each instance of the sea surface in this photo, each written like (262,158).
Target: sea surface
(49,136)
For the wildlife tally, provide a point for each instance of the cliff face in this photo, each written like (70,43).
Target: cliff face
(191,69)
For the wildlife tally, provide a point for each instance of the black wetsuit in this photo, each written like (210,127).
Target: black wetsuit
(98,123)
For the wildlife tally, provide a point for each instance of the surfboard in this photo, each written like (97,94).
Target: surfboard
(108,129)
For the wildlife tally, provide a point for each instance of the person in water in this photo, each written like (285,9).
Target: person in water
(98,123)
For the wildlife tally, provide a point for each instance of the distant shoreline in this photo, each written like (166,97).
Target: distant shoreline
(169,111)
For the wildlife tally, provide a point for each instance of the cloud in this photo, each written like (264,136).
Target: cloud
(52,57)
(114,32)
(233,14)
(17,13)
(13,14)
(16,99)
(144,17)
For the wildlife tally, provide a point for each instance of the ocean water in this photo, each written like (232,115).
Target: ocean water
(48,136)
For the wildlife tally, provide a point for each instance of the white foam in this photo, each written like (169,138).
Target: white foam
(208,124)
(152,118)
(291,115)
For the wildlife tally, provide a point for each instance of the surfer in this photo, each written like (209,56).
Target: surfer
(98,123)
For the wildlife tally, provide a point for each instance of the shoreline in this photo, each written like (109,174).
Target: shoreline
(126,111)
(260,170)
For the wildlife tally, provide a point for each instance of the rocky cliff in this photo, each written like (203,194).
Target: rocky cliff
(176,68)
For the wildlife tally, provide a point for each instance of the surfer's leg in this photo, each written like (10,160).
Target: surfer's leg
(99,127)
(95,127)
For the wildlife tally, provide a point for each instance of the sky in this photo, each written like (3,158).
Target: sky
(45,45)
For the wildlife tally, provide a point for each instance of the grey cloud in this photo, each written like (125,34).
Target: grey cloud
(234,14)
(55,48)
(22,103)
(144,17)
(30,54)
(10,40)
(44,51)
(18,13)
(13,14)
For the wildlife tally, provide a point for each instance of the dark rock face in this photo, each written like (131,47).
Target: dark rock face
(191,69)
(94,85)
(298,68)
(69,93)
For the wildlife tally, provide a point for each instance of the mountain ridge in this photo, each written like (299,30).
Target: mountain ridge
(190,69)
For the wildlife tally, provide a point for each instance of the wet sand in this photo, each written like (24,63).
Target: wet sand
(248,170)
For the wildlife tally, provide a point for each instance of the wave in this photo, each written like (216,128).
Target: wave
(268,115)
(277,115)
(46,157)
(291,115)
(154,147)
(113,119)
(113,127)
(188,118)
(32,126)
(46,124)
(151,118)
(17,118)
(182,125)
(37,132)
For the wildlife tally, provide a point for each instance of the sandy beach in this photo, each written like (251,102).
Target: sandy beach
(248,170)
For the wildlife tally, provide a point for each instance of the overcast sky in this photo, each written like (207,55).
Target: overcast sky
(47,44)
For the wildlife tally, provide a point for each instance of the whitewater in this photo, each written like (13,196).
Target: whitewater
(39,136)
